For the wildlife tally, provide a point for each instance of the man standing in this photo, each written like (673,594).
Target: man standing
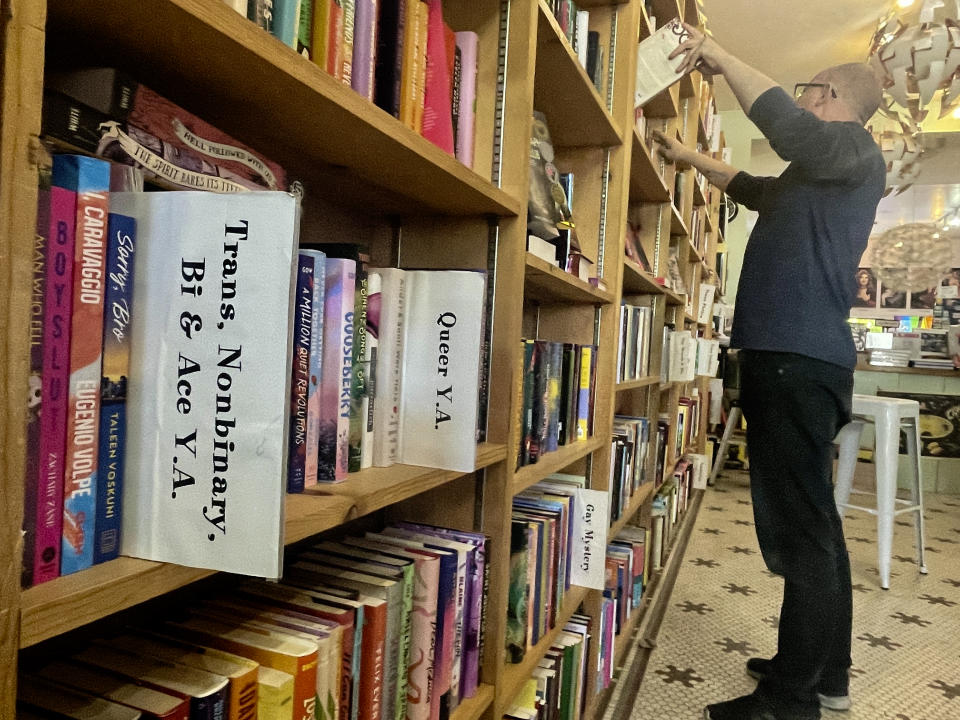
(796,290)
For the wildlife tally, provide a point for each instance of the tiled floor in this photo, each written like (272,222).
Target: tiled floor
(906,648)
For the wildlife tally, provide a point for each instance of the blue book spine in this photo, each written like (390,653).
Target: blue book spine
(286,21)
(303,328)
(118,306)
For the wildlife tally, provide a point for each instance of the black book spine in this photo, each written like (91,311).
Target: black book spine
(386,93)
(71,122)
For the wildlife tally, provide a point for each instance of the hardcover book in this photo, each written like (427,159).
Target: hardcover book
(210,379)
(90,179)
(118,309)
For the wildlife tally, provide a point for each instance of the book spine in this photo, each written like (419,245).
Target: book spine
(420,78)
(392,313)
(372,657)
(358,393)
(91,179)
(335,39)
(261,12)
(336,384)
(583,405)
(371,350)
(424,642)
(305,29)
(437,123)
(316,368)
(456,79)
(467,44)
(408,83)
(365,48)
(274,700)
(388,49)
(321,32)
(38,286)
(118,304)
(553,395)
(349,27)
(55,381)
(286,21)
(299,387)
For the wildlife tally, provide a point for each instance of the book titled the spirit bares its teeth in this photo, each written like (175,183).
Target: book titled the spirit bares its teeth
(209,393)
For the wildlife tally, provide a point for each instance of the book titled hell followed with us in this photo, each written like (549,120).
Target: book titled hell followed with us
(209,392)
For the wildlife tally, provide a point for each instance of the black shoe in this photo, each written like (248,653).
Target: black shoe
(759,668)
(754,707)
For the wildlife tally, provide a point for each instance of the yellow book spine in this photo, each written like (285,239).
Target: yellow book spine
(276,695)
(421,73)
(586,356)
(409,67)
(321,20)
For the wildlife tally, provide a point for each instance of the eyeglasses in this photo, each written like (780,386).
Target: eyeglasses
(800,88)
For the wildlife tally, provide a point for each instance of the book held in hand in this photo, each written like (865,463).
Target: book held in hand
(655,72)
(209,378)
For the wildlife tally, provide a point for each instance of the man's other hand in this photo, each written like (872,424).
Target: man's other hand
(670,149)
(702,53)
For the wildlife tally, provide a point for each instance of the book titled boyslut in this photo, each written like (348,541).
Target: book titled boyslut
(209,385)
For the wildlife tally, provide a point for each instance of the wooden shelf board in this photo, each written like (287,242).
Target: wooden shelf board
(69,602)
(646,183)
(576,114)
(673,298)
(865,366)
(554,462)
(643,493)
(474,708)
(699,199)
(514,675)
(292,110)
(546,283)
(621,643)
(638,383)
(637,281)
(687,88)
(695,256)
(702,134)
(663,105)
(677,224)
(600,3)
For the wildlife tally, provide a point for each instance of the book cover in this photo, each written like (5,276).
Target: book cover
(286,21)
(241,672)
(346,52)
(90,179)
(118,311)
(370,353)
(335,39)
(655,73)
(52,700)
(38,287)
(316,366)
(300,377)
(261,12)
(337,375)
(389,58)
(437,121)
(359,371)
(210,363)
(129,123)
(365,48)
(206,692)
(441,369)
(385,316)
(467,45)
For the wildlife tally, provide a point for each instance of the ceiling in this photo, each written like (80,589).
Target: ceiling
(792,42)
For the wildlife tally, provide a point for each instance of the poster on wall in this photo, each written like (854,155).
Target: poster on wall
(939,423)
(873,299)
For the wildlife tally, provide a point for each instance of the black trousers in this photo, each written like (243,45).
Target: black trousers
(794,407)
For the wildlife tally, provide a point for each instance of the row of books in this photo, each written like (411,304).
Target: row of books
(684,356)
(630,449)
(633,360)
(400,54)
(556,689)
(625,579)
(374,348)
(687,426)
(541,540)
(384,626)
(559,385)
(633,247)
(575,24)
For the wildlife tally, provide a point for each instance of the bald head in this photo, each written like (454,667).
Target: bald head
(857,87)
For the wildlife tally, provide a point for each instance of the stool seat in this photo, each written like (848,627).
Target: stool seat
(891,417)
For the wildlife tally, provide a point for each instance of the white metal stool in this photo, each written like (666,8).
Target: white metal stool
(890,416)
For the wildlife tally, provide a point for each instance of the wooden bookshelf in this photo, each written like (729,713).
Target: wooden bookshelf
(546,283)
(643,382)
(553,462)
(475,707)
(673,298)
(678,226)
(637,501)
(636,280)
(577,115)
(694,254)
(699,199)
(646,183)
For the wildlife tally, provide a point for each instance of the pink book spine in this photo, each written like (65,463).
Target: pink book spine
(467,44)
(437,122)
(364,47)
(56,377)
(422,674)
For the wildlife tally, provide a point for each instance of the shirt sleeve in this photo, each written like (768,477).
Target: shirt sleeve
(823,150)
(749,190)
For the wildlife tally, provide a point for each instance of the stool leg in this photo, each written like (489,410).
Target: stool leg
(888,447)
(849,441)
(916,486)
(732,422)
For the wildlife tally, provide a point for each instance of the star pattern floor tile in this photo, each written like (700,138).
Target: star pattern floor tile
(725,606)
